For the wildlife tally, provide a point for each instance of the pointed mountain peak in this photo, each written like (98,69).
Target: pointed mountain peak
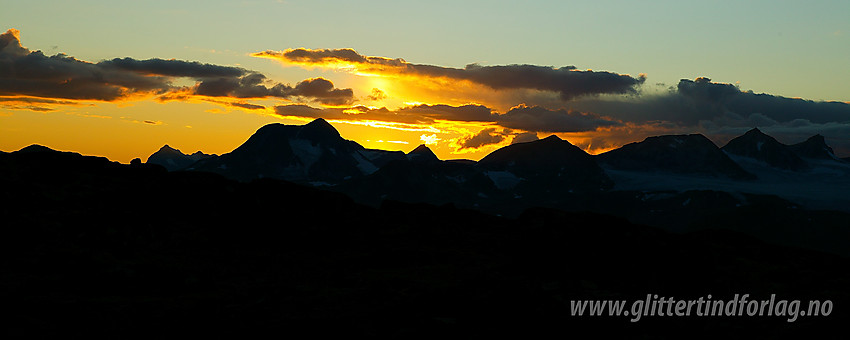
(320,122)
(167,149)
(756,135)
(757,145)
(754,131)
(423,153)
(318,129)
(420,149)
(552,138)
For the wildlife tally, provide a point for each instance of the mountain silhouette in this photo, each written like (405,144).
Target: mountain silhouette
(759,146)
(173,159)
(674,182)
(422,154)
(319,131)
(87,241)
(314,152)
(35,148)
(683,154)
(545,166)
(815,147)
(423,179)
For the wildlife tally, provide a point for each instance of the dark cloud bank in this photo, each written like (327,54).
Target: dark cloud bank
(521,117)
(568,81)
(32,73)
(722,111)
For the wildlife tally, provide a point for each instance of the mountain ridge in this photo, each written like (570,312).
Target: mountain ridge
(174,159)
(87,241)
(759,146)
(548,171)
(688,154)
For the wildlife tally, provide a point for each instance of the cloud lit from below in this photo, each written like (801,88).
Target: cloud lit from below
(61,78)
(568,82)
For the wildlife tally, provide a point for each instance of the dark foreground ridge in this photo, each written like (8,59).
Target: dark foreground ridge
(96,247)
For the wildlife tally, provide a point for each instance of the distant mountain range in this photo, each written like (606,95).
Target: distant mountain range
(678,182)
(541,170)
(759,146)
(95,247)
(172,159)
(682,154)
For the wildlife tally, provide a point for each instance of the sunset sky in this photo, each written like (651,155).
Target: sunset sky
(120,79)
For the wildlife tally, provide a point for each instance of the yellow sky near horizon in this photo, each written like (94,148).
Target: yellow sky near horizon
(125,131)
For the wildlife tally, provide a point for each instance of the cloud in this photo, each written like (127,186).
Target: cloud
(323,91)
(524,137)
(34,74)
(252,86)
(722,111)
(377,95)
(568,81)
(469,112)
(31,73)
(248,106)
(361,113)
(692,101)
(521,117)
(420,114)
(33,104)
(429,139)
(482,138)
(173,68)
(540,119)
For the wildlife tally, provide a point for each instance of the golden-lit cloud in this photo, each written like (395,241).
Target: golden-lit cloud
(35,104)
(429,139)
(464,129)
(520,117)
(568,82)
